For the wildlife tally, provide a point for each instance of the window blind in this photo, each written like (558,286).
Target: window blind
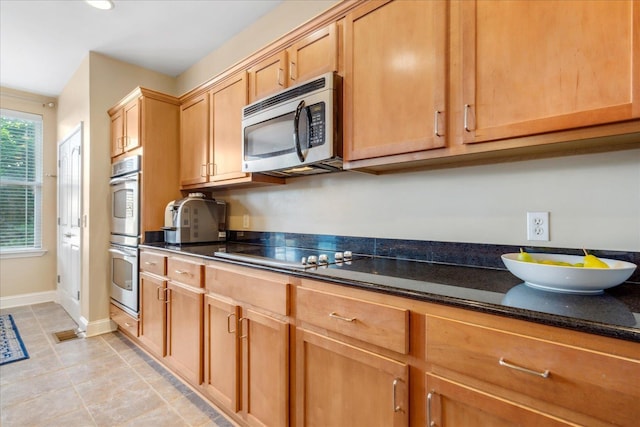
(20,180)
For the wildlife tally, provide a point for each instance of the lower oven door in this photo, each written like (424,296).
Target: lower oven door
(124,277)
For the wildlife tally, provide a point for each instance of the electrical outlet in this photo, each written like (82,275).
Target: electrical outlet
(245,221)
(538,226)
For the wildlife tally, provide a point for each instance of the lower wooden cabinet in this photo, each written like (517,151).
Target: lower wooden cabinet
(451,404)
(342,385)
(184,331)
(246,350)
(124,321)
(153,325)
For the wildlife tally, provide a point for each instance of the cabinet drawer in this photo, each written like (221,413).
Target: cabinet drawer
(153,263)
(124,321)
(259,288)
(374,323)
(581,380)
(185,271)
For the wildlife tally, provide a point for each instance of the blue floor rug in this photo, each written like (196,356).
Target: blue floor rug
(12,348)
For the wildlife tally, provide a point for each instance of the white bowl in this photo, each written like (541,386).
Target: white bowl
(575,280)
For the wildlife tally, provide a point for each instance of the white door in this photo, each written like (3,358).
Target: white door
(70,222)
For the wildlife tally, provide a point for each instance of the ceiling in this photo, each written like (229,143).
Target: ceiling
(42,43)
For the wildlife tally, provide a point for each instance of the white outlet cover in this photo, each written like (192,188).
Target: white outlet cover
(538,226)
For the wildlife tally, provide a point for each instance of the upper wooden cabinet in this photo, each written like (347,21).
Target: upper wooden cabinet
(395,62)
(125,128)
(531,67)
(313,55)
(310,56)
(211,136)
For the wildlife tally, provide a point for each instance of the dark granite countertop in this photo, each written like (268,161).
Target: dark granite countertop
(615,313)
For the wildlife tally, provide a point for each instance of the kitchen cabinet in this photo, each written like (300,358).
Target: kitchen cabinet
(340,382)
(146,123)
(171,310)
(246,314)
(309,57)
(153,325)
(211,137)
(454,404)
(534,67)
(513,369)
(125,322)
(395,82)
(125,128)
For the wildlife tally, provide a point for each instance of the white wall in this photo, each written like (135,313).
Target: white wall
(35,275)
(594,201)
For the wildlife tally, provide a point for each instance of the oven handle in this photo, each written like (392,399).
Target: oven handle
(296,133)
(122,252)
(116,181)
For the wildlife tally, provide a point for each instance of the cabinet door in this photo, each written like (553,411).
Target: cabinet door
(132,125)
(265,352)
(194,140)
(453,404)
(268,76)
(227,100)
(222,352)
(314,55)
(535,66)
(184,331)
(342,385)
(394,78)
(153,313)
(117,133)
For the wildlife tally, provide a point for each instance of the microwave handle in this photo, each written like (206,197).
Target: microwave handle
(296,134)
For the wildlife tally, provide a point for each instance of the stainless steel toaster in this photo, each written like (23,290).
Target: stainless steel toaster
(195,219)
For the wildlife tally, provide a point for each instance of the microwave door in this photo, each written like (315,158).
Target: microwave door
(301,120)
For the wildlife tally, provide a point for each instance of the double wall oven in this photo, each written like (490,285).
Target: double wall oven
(125,233)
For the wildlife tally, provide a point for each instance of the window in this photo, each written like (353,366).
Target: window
(20,181)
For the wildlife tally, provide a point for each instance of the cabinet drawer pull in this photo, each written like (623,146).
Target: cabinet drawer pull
(158,297)
(150,263)
(181,272)
(436,124)
(430,421)
(337,316)
(292,70)
(396,407)
(127,324)
(506,364)
(466,117)
(203,170)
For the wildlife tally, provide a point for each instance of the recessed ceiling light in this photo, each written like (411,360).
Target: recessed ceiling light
(101,4)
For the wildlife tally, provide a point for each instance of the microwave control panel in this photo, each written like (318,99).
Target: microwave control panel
(317,120)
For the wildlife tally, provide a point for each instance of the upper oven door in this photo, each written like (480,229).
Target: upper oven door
(125,205)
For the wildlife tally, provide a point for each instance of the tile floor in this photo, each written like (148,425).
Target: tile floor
(100,381)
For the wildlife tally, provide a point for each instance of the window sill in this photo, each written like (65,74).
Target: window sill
(22,253)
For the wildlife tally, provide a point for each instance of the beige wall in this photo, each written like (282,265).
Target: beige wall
(33,275)
(594,201)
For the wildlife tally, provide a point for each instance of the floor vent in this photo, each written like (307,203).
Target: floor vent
(67,335)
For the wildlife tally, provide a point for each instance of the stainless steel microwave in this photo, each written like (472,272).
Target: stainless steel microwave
(295,132)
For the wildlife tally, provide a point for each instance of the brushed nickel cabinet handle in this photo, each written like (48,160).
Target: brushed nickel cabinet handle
(203,170)
(543,374)
(150,263)
(467,107)
(181,272)
(280,72)
(337,316)
(436,123)
(292,70)
(396,407)
(229,323)
(167,295)
(158,297)
(430,421)
(242,333)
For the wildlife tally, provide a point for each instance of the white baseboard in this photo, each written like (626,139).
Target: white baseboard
(98,327)
(28,299)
